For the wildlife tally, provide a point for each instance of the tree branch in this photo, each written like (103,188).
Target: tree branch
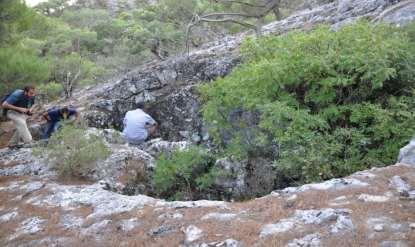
(243,3)
(229,14)
(197,19)
(268,7)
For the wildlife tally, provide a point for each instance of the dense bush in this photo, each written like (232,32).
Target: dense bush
(51,91)
(19,67)
(74,152)
(15,17)
(333,102)
(184,174)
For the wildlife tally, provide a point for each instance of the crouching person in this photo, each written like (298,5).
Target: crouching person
(138,126)
(19,106)
(54,116)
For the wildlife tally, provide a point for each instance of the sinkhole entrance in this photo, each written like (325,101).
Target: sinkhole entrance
(193,174)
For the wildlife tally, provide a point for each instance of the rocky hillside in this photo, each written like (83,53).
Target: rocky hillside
(369,208)
(169,86)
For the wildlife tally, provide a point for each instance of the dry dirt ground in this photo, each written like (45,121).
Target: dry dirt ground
(6,132)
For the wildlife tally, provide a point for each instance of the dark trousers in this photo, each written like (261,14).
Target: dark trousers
(49,128)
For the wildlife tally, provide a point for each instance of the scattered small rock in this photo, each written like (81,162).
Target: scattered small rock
(96,228)
(192,233)
(339,201)
(318,217)
(378,228)
(31,187)
(128,225)
(29,226)
(343,223)
(219,216)
(171,215)
(192,204)
(163,230)
(373,198)
(400,185)
(332,184)
(275,194)
(365,174)
(7,217)
(227,243)
(280,227)
(393,244)
(69,221)
(292,198)
(311,240)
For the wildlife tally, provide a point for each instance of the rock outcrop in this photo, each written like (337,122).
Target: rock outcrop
(169,87)
(369,208)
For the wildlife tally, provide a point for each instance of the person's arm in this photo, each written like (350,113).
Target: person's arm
(8,106)
(46,116)
(152,129)
(151,125)
(77,117)
(34,107)
(74,117)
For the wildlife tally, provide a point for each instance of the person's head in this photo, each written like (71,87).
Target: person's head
(29,91)
(64,111)
(140,105)
(143,106)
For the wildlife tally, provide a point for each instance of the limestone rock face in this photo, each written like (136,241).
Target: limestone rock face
(167,89)
(178,115)
(399,14)
(21,162)
(233,176)
(407,154)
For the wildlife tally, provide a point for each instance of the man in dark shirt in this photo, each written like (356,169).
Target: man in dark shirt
(55,115)
(19,105)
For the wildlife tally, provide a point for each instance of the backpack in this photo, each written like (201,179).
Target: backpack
(3,112)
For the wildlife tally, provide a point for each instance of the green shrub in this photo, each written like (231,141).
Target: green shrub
(19,67)
(184,174)
(334,102)
(15,17)
(51,90)
(74,152)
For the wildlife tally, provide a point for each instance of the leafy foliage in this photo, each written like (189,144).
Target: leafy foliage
(184,174)
(107,41)
(51,90)
(334,102)
(15,17)
(20,66)
(72,151)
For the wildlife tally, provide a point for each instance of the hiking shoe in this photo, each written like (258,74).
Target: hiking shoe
(42,143)
(30,145)
(15,146)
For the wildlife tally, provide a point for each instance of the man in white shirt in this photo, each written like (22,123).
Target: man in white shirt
(138,126)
